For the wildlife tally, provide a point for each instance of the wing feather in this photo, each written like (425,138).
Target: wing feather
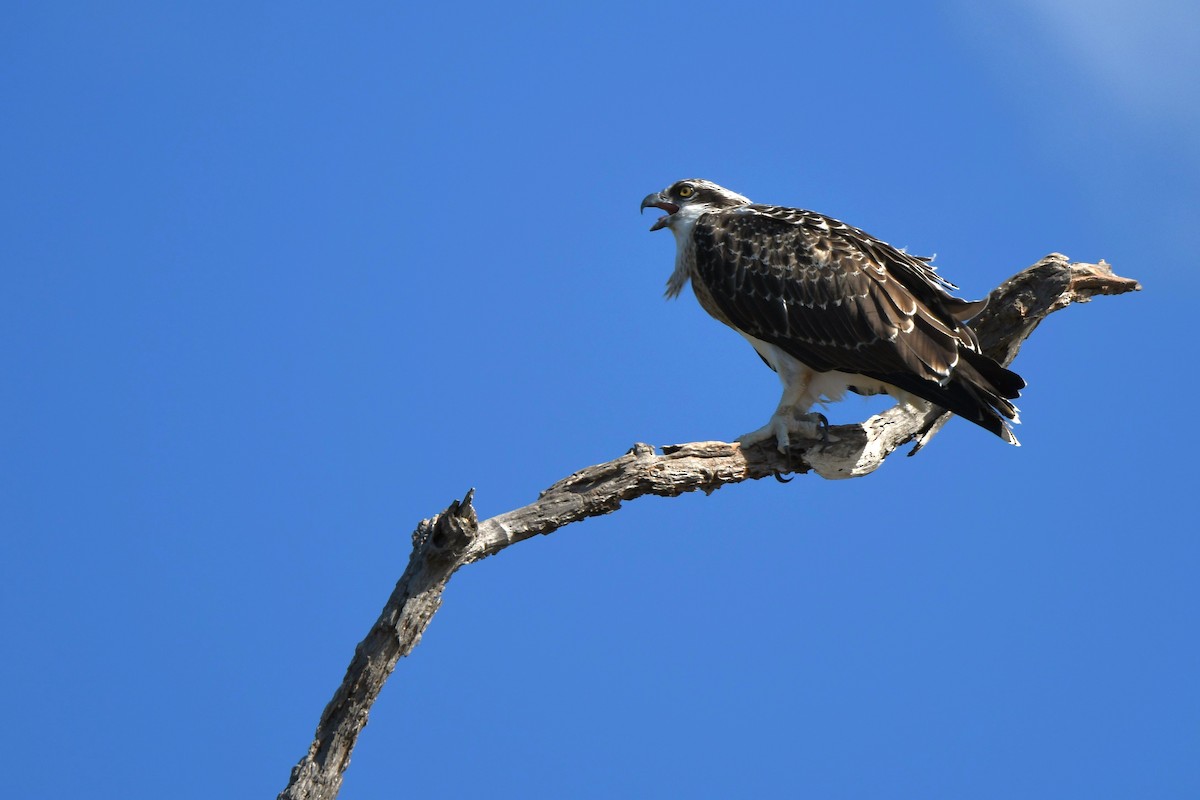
(806,284)
(834,297)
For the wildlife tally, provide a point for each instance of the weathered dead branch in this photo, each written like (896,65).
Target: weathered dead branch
(455,537)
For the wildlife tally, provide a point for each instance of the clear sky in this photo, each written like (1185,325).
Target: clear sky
(281,280)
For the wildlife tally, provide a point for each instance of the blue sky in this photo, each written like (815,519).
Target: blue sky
(282,280)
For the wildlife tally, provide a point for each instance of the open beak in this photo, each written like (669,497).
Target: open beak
(656,200)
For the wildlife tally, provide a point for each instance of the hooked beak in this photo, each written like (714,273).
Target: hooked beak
(656,200)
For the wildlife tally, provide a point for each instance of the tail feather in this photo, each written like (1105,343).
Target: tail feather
(979,390)
(1002,380)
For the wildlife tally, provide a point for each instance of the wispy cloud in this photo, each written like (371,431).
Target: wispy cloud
(1118,63)
(1145,55)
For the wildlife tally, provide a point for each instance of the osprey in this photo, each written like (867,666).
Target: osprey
(830,309)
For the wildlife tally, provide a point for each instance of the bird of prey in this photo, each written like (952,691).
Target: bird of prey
(830,309)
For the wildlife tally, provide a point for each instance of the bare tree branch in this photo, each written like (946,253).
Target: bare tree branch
(455,537)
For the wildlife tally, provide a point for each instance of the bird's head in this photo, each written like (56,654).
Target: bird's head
(689,199)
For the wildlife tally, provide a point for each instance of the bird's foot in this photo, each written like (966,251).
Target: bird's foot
(783,424)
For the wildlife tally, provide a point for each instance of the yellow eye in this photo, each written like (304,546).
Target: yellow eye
(685,191)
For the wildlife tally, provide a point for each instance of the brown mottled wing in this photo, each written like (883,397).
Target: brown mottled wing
(836,298)
(828,294)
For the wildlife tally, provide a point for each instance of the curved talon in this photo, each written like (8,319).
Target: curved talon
(823,427)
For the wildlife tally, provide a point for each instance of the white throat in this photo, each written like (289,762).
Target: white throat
(682,223)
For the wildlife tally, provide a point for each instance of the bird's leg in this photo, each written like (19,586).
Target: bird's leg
(789,418)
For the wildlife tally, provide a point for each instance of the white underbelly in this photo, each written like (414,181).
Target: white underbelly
(812,386)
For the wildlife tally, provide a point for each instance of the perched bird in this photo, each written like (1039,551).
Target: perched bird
(830,309)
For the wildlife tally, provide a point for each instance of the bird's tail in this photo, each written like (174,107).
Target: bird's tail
(982,391)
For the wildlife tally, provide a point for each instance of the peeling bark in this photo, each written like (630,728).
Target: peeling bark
(455,537)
